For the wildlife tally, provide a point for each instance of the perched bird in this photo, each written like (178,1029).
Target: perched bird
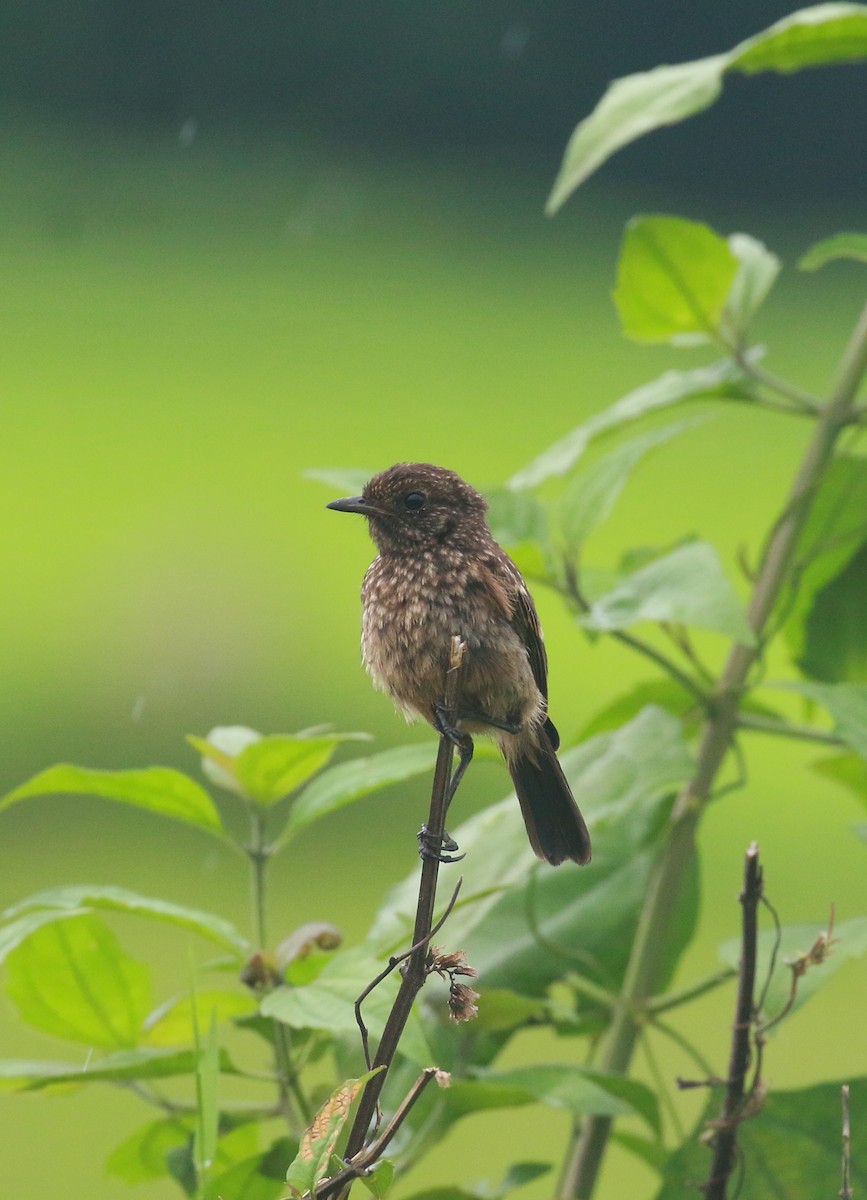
(439,573)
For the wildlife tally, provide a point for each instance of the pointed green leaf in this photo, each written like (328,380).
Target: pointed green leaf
(274,767)
(811,37)
(847,704)
(631,107)
(380,1179)
(174,1023)
(160,790)
(718,380)
(757,272)
(638,104)
(72,979)
(673,280)
(349,781)
(850,770)
(686,586)
(842,245)
(143,1063)
(592,493)
(207,1103)
(142,1155)
(790,1148)
(834,647)
(54,902)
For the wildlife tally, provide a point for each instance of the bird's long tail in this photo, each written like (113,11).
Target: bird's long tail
(554,823)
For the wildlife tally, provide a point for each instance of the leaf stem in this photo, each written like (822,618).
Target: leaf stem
(804,733)
(678,852)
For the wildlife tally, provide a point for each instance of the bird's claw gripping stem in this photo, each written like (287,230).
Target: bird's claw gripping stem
(431,846)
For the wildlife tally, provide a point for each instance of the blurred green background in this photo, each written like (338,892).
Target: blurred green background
(244,243)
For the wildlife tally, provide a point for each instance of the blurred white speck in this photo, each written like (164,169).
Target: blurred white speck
(513,43)
(138,708)
(86,1064)
(187,132)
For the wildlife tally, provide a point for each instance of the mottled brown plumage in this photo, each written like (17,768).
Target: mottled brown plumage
(439,573)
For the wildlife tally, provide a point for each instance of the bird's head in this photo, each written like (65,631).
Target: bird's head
(418,505)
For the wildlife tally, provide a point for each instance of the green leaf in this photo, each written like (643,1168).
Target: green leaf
(160,790)
(842,245)
(257,1177)
(790,1149)
(349,781)
(632,107)
(621,780)
(653,1153)
(847,704)
(673,280)
(850,770)
(142,1155)
(834,634)
(72,979)
(174,1023)
(349,481)
(571,1088)
(518,1175)
(813,37)
(686,586)
(54,903)
(380,1179)
(592,494)
(274,767)
(317,1146)
(504,1009)
(721,379)
(124,1065)
(664,693)
(757,272)
(638,104)
(796,940)
(835,531)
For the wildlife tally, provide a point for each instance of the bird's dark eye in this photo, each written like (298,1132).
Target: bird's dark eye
(415,500)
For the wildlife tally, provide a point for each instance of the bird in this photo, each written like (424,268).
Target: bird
(439,573)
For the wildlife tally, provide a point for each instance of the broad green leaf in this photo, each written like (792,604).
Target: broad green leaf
(592,493)
(142,1155)
(518,1175)
(72,979)
(638,104)
(842,245)
(849,942)
(56,902)
(811,37)
(664,693)
(519,522)
(723,379)
(17,931)
(274,767)
(504,1009)
(160,790)
(687,586)
(757,271)
(571,1088)
(124,1065)
(847,704)
(834,647)
(220,749)
(673,280)
(256,1177)
(349,781)
(317,1145)
(380,1178)
(835,530)
(651,1152)
(348,481)
(621,781)
(174,1023)
(631,107)
(848,769)
(790,1149)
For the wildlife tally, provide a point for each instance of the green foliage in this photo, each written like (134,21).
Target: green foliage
(638,104)
(851,246)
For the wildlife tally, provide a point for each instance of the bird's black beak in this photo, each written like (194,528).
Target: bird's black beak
(353,504)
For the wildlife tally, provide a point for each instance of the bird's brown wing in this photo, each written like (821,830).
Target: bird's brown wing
(525,622)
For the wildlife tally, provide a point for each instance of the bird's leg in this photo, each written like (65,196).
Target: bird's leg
(463,743)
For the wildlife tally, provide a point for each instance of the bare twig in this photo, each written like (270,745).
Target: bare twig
(726,1127)
(415,970)
(845,1192)
(394,961)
